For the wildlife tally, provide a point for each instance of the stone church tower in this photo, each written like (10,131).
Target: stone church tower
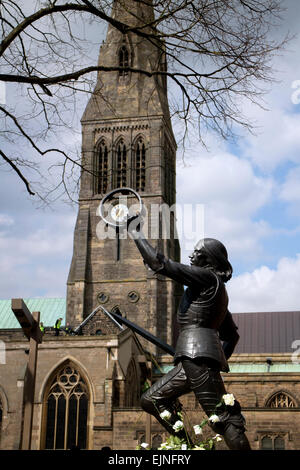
(127,141)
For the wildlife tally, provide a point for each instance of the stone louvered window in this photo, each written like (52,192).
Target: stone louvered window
(121,164)
(140,164)
(66,410)
(101,169)
(281,400)
(123,60)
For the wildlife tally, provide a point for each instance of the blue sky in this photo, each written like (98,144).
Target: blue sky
(249,190)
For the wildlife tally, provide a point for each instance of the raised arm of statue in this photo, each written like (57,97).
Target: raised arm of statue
(182,273)
(151,257)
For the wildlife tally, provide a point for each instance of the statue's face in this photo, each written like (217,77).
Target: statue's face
(199,258)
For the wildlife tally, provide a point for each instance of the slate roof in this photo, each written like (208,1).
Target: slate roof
(267,332)
(260,332)
(50,309)
(249,368)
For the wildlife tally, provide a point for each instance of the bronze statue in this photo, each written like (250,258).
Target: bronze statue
(204,322)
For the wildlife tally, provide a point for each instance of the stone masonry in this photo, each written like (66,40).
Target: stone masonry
(124,108)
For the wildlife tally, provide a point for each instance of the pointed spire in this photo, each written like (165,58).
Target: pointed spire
(119,94)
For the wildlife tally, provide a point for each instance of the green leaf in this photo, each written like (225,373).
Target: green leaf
(210,444)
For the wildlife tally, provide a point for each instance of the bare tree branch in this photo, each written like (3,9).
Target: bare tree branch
(218,52)
(17,170)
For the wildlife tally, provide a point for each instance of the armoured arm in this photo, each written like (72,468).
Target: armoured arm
(151,257)
(181,273)
(229,335)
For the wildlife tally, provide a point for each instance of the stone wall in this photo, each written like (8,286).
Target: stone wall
(103,362)
(97,360)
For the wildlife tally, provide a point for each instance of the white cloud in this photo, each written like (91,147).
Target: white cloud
(35,261)
(231,194)
(290,189)
(35,281)
(6,220)
(267,289)
(277,139)
(277,142)
(289,192)
(38,242)
(224,180)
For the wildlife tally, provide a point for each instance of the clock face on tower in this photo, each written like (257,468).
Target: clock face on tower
(118,206)
(119,213)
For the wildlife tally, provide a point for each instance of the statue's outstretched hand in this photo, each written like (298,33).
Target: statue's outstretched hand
(134,224)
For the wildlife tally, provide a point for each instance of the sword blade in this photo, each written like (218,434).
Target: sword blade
(145,334)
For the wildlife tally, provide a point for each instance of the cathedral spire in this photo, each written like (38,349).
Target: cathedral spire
(119,91)
(133,12)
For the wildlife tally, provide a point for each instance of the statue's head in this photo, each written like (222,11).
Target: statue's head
(212,254)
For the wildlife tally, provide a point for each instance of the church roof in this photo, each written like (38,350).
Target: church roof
(260,332)
(267,332)
(254,367)
(50,309)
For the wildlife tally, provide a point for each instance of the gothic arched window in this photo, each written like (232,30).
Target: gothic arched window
(117,310)
(66,410)
(140,165)
(156,441)
(279,443)
(121,164)
(123,60)
(272,442)
(267,443)
(116,393)
(281,400)
(131,386)
(101,169)
(169,163)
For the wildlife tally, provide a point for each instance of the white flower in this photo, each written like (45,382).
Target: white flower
(178,425)
(229,399)
(214,419)
(183,447)
(144,445)
(198,429)
(217,437)
(164,446)
(165,414)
